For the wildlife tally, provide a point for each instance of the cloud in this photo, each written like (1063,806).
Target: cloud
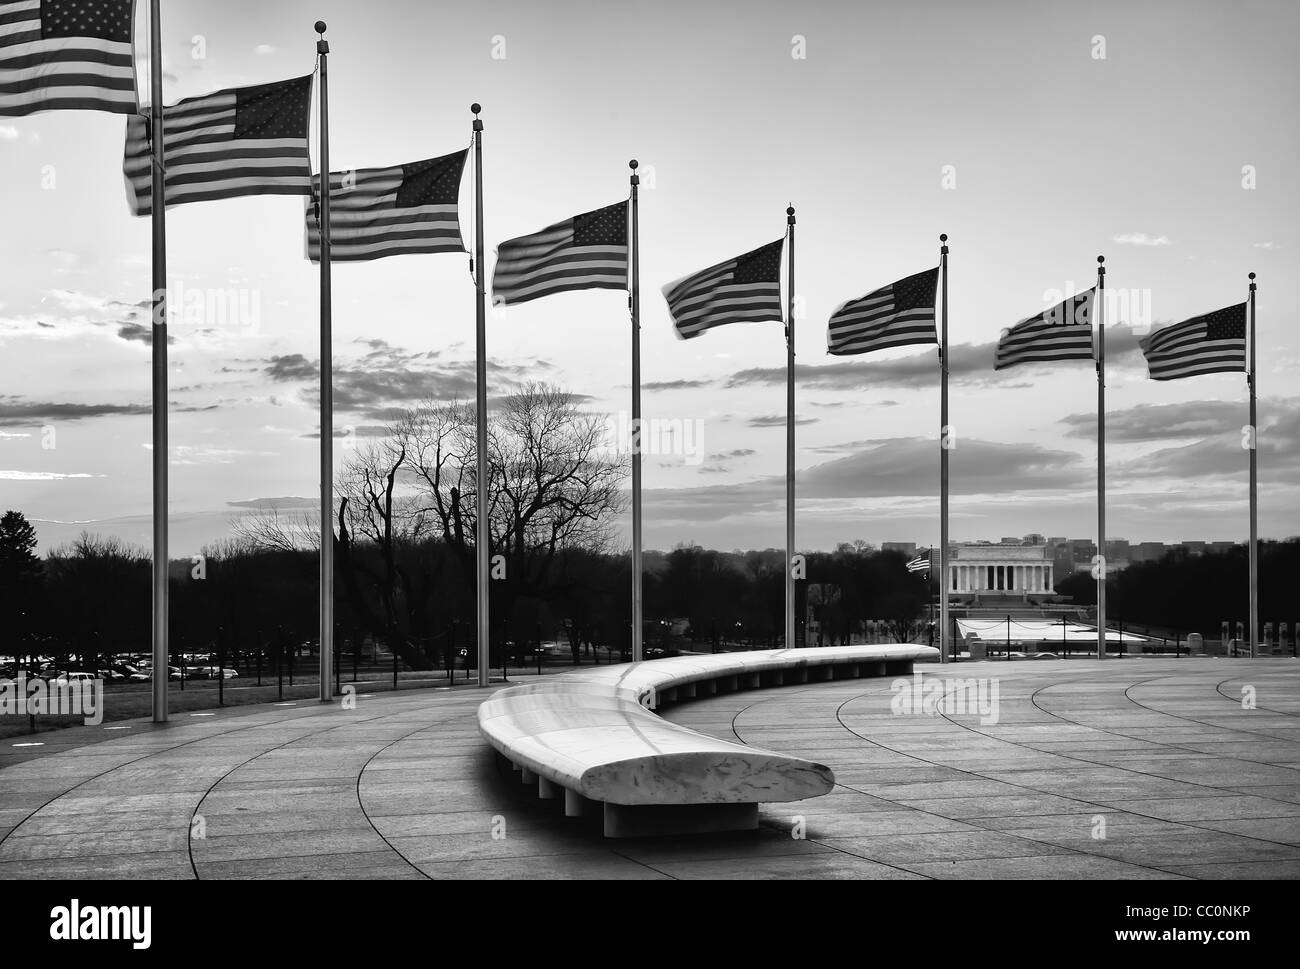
(1221,454)
(8,133)
(137,333)
(188,454)
(275,504)
(42,476)
(15,412)
(675,384)
(778,420)
(970,364)
(893,472)
(742,452)
(1268,245)
(717,462)
(342,433)
(1159,422)
(264,49)
(1140,239)
(389,380)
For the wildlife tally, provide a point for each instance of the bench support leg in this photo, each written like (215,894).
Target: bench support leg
(574,804)
(651,820)
(527,777)
(545,789)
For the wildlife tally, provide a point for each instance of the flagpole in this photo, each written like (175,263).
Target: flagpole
(944,444)
(1254,497)
(326,389)
(159,355)
(1099,309)
(790,641)
(634,303)
(482,531)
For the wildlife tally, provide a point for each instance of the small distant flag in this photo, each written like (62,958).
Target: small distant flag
(378,212)
(588,251)
(919,564)
(746,289)
(1063,332)
(241,141)
(899,315)
(1213,343)
(67,55)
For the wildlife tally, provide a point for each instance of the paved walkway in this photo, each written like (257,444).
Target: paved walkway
(1136,768)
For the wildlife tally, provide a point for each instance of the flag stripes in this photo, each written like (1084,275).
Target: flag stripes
(378,212)
(588,251)
(746,289)
(67,55)
(919,564)
(1213,343)
(898,315)
(241,141)
(1063,332)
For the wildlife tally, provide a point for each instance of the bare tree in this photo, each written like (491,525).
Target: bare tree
(553,484)
(269,530)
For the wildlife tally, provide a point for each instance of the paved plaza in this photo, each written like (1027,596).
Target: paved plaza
(1134,768)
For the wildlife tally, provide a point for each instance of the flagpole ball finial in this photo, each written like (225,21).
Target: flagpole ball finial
(943,237)
(1101,259)
(633,164)
(476,107)
(1252,275)
(789,210)
(320,26)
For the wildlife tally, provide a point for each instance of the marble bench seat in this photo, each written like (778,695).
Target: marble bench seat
(593,734)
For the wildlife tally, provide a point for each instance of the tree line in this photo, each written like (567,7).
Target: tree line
(404,533)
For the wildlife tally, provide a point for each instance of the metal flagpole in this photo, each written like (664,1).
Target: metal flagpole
(326,388)
(1254,497)
(944,447)
(159,352)
(482,531)
(634,304)
(789,439)
(1099,309)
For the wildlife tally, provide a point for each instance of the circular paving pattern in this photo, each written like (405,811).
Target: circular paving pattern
(1135,768)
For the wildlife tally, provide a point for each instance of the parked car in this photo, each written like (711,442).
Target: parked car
(74,678)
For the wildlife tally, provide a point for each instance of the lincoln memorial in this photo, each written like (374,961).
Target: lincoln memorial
(1005,569)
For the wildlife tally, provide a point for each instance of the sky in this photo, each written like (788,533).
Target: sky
(1036,135)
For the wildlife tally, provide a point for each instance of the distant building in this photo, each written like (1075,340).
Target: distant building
(907,548)
(1001,570)
(1193,548)
(1063,560)
(1148,552)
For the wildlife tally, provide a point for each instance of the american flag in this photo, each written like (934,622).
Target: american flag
(241,141)
(377,212)
(1063,332)
(898,315)
(588,251)
(919,564)
(67,54)
(1213,343)
(746,289)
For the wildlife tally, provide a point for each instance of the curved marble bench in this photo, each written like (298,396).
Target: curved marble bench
(593,733)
